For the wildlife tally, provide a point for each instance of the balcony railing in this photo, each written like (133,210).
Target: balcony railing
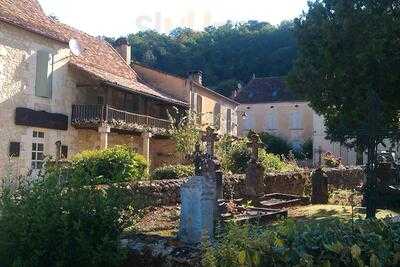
(95,115)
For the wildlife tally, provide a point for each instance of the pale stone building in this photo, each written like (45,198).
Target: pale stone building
(348,156)
(213,109)
(56,103)
(267,105)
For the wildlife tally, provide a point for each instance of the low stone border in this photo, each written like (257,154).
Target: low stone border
(148,250)
(167,192)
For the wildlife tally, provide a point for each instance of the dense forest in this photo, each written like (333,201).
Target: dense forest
(227,54)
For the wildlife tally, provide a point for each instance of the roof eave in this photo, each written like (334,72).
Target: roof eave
(5,20)
(143,93)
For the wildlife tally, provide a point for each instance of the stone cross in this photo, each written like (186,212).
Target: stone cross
(254,143)
(210,137)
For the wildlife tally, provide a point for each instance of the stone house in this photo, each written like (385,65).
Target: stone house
(211,108)
(57,102)
(267,105)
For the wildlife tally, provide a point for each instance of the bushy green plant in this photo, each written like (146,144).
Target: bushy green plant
(111,165)
(234,155)
(275,144)
(274,163)
(172,172)
(320,243)
(52,223)
(308,149)
(331,161)
(185,132)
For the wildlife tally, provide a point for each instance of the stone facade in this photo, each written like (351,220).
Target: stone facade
(275,118)
(17,83)
(18,56)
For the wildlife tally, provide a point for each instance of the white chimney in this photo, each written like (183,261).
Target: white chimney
(124,49)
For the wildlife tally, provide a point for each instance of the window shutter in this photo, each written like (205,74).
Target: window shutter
(199,109)
(44,74)
(217,116)
(229,120)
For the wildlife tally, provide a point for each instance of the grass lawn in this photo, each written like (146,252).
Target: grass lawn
(321,212)
(164,221)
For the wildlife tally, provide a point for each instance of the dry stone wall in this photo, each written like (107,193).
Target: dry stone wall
(167,192)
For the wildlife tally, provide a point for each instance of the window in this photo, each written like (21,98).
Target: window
(199,109)
(228,120)
(296,120)
(44,74)
(249,122)
(193,103)
(217,116)
(37,150)
(132,103)
(272,121)
(14,149)
(64,152)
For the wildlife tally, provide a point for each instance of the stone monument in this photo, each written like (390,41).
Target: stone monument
(319,180)
(199,196)
(255,171)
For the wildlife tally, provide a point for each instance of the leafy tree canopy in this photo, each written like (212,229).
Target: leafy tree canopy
(349,58)
(227,54)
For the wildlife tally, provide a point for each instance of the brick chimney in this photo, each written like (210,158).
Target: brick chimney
(124,49)
(196,76)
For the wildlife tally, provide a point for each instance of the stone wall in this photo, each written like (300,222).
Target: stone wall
(167,192)
(156,193)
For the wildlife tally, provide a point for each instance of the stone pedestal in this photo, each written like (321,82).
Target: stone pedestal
(198,209)
(320,194)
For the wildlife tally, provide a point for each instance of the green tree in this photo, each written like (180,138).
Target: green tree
(348,67)
(227,54)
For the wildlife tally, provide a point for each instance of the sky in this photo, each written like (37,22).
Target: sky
(119,17)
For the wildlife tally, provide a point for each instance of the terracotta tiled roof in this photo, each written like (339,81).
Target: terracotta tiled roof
(97,58)
(266,90)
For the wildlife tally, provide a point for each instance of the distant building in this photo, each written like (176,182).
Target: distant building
(267,105)
(212,108)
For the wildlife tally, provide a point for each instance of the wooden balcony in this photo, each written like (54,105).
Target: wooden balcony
(93,116)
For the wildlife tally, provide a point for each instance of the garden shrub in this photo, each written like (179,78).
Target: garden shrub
(111,165)
(172,172)
(319,243)
(51,223)
(234,155)
(308,149)
(275,144)
(331,161)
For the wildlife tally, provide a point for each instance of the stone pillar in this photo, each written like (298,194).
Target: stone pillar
(320,192)
(146,147)
(104,130)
